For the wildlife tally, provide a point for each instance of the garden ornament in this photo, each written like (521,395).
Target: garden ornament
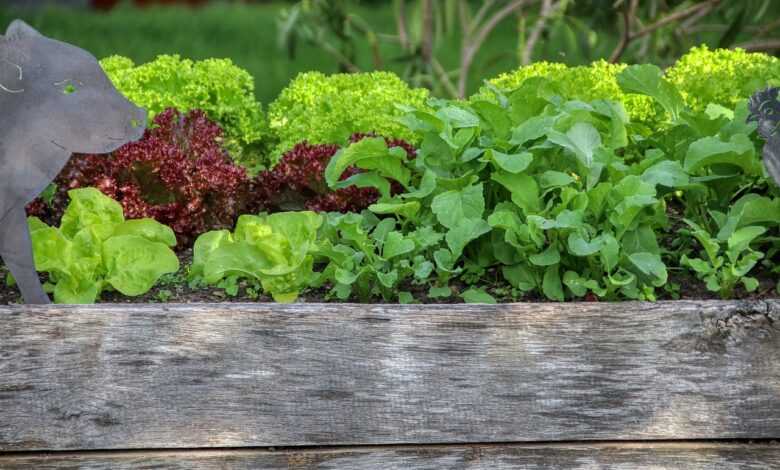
(765,110)
(55,101)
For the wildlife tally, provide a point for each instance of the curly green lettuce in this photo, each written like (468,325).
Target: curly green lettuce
(722,76)
(327,109)
(586,83)
(222,90)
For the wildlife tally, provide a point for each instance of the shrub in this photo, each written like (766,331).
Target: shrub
(297,181)
(722,76)
(222,90)
(586,83)
(95,248)
(325,109)
(177,174)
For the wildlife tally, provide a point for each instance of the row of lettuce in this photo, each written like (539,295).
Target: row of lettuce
(556,182)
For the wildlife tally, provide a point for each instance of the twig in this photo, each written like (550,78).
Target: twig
(400,17)
(445,78)
(426,42)
(548,8)
(766,45)
(628,36)
(629,11)
(471,46)
(486,5)
(680,15)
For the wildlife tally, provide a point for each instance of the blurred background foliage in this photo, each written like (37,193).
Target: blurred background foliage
(449,46)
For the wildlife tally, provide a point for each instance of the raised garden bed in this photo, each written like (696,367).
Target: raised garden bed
(610,385)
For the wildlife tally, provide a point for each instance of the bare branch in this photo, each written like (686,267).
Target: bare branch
(628,12)
(470,49)
(400,18)
(628,36)
(486,4)
(445,78)
(426,45)
(765,45)
(548,8)
(678,16)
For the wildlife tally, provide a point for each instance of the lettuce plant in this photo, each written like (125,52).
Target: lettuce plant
(327,109)
(95,249)
(722,76)
(177,174)
(275,250)
(589,82)
(298,181)
(223,91)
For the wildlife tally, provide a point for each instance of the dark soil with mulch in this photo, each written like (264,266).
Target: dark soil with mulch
(175,289)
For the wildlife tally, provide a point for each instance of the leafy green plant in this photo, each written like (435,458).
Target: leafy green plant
(324,109)
(730,254)
(276,250)
(532,186)
(95,249)
(223,91)
(722,76)
(586,82)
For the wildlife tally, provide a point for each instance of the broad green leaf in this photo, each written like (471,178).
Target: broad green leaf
(459,236)
(439,292)
(740,240)
(531,129)
(582,140)
(512,163)
(458,117)
(738,151)
(454,207)
(496,117)
(366,180)
(427,185)
(551,285)
(388,279)
(478,296)
(149,229)
(89,208)
(548,257)
(650,266)
(520,277)
(554,179)
(648,80)
(404,209)
(523,189)
(369,154)
(134,263)
(578,246)
(396,245)
(580,286)
(70,292)
(667,173)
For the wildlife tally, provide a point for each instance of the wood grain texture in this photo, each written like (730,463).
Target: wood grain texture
(255,375)
(501,457)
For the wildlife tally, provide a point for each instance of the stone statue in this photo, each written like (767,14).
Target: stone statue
(55,100)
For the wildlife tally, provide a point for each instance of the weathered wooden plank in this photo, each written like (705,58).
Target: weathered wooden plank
(709,456)
(152,376)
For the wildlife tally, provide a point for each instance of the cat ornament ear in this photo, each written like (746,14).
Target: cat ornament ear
(765,110)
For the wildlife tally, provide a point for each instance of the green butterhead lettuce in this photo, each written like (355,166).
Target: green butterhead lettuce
(95,249)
